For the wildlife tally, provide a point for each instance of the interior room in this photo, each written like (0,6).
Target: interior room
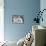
(22,22)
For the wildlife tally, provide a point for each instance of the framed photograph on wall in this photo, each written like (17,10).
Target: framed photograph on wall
(17,19)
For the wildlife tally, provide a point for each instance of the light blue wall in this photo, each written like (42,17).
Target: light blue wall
(14,32)
(43,6)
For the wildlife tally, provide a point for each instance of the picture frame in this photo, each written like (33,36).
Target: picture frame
(18,19)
